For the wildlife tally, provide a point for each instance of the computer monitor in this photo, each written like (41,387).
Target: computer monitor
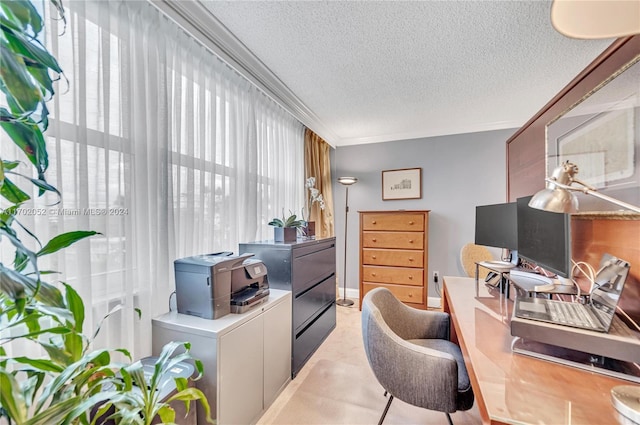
(496,225)
(544,238)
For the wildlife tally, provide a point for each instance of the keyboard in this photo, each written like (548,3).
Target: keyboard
(572,314)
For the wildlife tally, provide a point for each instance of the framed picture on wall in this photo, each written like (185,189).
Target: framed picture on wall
(405,183)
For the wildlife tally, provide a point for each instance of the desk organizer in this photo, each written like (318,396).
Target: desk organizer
(610,353)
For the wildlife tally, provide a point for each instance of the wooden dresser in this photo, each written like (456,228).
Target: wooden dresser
(394,254)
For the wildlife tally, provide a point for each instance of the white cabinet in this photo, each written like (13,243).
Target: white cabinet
(246,357)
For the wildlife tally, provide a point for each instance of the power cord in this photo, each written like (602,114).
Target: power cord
(436,282)
(590,275)
(172,294)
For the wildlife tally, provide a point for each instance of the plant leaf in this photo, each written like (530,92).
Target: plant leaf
(57,412)
(11,397)
(18,85)
(59,314)
(57,330)
(10,234)
(181,383)
(10,165)
(22,12)
(28,137)
(44,186)
(64,240)
(76,307)
(11,288)
(87,404)
(70,371)
(39,364)
(193,393)
(276,222)
(32,50)
(60,7)
(45,293)
(118,307)
(12,193)
(167,414)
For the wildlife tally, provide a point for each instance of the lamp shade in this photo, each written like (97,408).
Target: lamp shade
(593,19)
(347,181)
(558,196)
(555,200)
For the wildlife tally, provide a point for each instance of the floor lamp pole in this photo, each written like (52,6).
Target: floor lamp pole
(347,181)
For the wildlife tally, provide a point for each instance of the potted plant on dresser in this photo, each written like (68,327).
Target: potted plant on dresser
(286,228)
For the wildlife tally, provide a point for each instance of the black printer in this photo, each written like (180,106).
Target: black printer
(213,285)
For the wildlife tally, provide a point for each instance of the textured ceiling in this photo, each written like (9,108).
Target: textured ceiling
(391,70)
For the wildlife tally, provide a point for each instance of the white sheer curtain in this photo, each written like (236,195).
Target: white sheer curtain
(162,148)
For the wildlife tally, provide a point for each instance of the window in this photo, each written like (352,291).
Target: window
(165,150)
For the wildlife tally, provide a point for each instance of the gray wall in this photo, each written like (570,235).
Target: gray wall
(458,173)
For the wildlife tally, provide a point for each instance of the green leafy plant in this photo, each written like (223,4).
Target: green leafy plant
(291,221)
(138,401)
(65,385)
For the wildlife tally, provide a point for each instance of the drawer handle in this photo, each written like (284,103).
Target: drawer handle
(410,277)
(411,222)
(374,240)
(410,259)
(373,274)
(373,256)
(373,222)
(410,240)
(410,295)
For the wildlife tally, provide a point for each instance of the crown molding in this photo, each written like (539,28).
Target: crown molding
(424,134)
(200,23)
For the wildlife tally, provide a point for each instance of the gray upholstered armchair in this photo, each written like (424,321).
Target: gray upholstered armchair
(411,355)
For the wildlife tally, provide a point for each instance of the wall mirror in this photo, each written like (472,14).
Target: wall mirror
(601,134)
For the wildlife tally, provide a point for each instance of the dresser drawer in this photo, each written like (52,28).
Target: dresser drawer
(406,294)
(397,275)
(406,240)
(399,221)
(393,257)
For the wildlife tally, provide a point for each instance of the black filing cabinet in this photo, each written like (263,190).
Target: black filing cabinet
(307,268)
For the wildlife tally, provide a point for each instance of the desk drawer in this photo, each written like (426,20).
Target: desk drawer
(393,257)
(406,240)
(406,294)
(399,222)
(397,275)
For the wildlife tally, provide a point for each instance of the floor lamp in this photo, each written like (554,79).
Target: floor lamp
(346,181)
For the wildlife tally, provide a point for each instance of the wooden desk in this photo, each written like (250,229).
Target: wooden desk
(512,388)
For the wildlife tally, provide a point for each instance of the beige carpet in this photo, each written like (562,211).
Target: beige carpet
(337,386)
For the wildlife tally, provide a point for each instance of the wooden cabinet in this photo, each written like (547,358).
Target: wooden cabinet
(246,357)
(394,254)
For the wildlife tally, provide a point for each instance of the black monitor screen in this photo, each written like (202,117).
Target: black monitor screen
(544,238)
(496,225)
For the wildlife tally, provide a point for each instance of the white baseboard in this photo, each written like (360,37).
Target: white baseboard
(354,294)
(434,302)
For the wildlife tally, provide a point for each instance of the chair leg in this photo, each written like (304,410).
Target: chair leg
(386,409)
(449,418)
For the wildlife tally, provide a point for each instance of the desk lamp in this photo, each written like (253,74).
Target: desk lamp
(558,196)
(346,181)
